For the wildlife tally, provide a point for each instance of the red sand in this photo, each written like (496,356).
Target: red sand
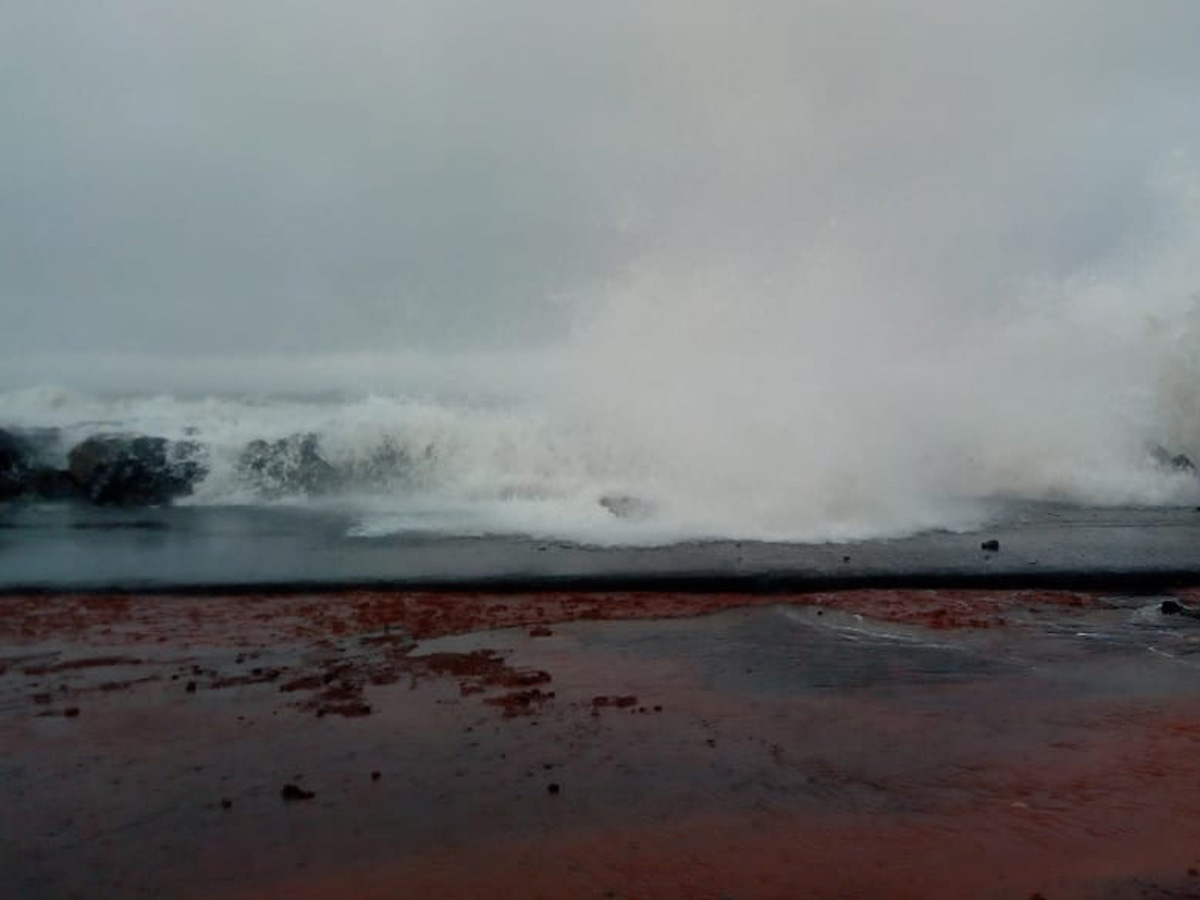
(250,618)
(565,761)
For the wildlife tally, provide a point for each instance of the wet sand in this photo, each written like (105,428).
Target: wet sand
(876,743)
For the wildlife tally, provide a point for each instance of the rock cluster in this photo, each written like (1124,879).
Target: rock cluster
(106,469)
(1179,462)
(113,469)
(136,471)
(291,465)
(25,471)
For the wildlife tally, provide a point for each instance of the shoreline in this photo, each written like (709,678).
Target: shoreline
(219,550)
(1149,581)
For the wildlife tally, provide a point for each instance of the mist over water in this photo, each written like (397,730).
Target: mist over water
(789,269)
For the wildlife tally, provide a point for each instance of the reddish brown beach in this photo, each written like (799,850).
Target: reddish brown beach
(874,743)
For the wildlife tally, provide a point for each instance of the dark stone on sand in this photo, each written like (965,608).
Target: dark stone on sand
(294,792)
(991,546)
(71,712)
(1175,608)
(291,465)
(376,775)
(190,687)
(622,702)
(226,804)
(125,470)
(553,788)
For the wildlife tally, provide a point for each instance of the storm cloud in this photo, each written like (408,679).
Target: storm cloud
(268,176)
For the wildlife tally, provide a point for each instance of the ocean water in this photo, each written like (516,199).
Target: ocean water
(456,464)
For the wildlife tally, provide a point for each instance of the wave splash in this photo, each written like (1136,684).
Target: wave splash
(804,271)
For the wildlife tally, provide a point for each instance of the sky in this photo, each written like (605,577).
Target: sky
(220,178)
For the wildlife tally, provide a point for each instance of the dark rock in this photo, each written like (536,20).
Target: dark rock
(54,484)
(291,465)
(991,546)
(384,465)
(294,792)
(553,788)
(15,468)
(1178,462)
(1175,608)
(25,469)
(624,506)
(226,804)
(123,470)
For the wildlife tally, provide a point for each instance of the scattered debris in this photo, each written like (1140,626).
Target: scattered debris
(618,702)
(520,703)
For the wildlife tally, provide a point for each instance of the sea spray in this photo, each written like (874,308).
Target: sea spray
(793,270)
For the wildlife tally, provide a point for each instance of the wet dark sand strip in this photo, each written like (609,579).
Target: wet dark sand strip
(898,743)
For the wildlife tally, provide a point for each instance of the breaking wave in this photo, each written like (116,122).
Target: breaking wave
(797,270)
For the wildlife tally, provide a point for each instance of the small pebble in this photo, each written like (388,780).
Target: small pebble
(294,792)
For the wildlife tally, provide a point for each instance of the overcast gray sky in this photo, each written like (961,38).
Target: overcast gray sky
(240,175)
